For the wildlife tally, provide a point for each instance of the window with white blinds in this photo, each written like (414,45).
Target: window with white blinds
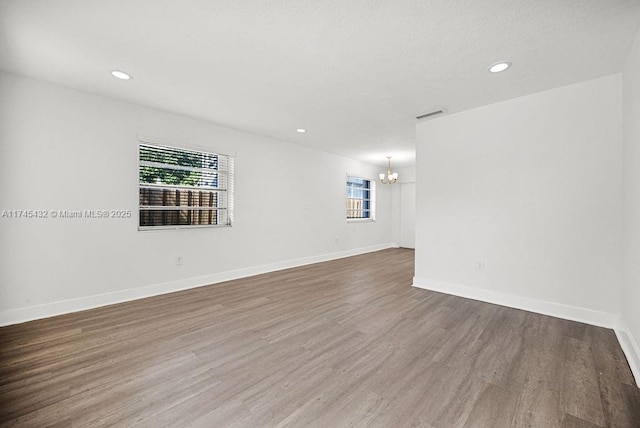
(184,188)
(360,198)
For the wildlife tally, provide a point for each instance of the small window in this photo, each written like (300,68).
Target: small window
(360,199)
(184,188)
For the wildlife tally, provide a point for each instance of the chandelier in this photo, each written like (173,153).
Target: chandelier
(389,177)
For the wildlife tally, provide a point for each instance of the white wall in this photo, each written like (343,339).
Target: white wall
(64,149)
(631,207)
(532,189)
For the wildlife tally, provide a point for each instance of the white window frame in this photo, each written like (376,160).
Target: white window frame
(224,188)
(372,200)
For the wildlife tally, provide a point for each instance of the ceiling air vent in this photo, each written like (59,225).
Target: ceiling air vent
(430,114)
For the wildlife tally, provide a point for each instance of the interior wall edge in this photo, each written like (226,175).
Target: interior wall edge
(629,346)
(31,313)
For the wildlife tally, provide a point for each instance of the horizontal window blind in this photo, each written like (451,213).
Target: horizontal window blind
(184,188)
(359,198)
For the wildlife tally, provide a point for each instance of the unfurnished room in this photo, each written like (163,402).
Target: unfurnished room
(323,213)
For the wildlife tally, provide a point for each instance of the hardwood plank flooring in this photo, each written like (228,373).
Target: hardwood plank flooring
(336,344)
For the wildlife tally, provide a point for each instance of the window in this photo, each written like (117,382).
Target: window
(184,188)
(360,198)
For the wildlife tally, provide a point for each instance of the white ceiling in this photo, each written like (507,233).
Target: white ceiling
(355,73)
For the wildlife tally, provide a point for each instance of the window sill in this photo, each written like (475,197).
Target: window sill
(181,227)
(361,220)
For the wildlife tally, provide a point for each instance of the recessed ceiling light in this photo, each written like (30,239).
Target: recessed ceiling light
(121,75)
(499,66)
(301,130)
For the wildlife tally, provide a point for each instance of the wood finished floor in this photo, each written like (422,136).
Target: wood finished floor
(336,344)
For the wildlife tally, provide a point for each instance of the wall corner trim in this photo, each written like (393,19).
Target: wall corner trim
(30,313)
(629,347)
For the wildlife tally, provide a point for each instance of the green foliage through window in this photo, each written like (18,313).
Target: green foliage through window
(177,167)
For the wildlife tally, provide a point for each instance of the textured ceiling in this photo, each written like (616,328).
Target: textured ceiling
(355,73)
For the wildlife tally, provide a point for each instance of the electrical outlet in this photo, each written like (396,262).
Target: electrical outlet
(480,265)
(179,261)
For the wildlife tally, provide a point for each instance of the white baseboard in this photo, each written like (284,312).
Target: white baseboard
(558,310)
(30,313)
(629,347)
